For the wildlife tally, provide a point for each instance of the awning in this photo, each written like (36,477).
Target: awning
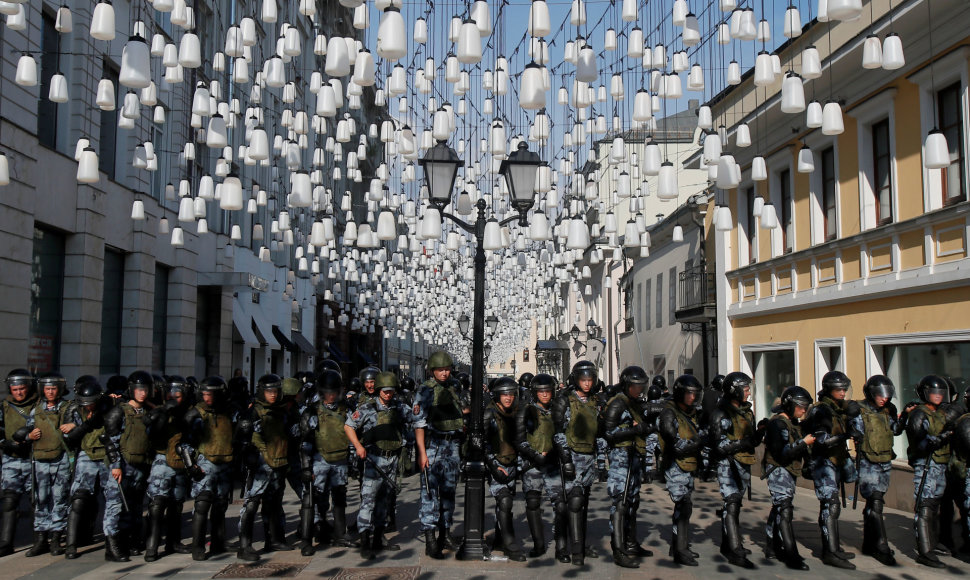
(337,355)
(302,342)
(367,358)
(263,329)
(552,345)
(284,341)
(243,323)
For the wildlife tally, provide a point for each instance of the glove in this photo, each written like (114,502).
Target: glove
(537,459)
(196,473)
(11,447)
(20,435)
(853,409)
(569,471)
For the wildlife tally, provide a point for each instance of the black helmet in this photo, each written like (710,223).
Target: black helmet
(215,385)
(932,385)
(88,392)
(686,384)
(21,377)
(369,374)
(878,386)
(328,381)
(633,376)
(733,385)
(356,385)
(543,382)
(329,364)
(176,383)
(140,380)
(117,385)
(660,382)
(407,383)
(525,380)
(834,380)
(504,386)
(717,383)
(465,379)
(794,397)
(53,378)
(654,393)
(583,369)
(270,381)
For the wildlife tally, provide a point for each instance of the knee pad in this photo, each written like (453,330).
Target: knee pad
(80,498)
(157,506)
(504,502)
(835,508)
(560,507)
(733,504)
(877,496)
(785,510)
(339,495)
(203,502)
(576,501)
(10,500)
(533,500)
(252,502)
(685,507)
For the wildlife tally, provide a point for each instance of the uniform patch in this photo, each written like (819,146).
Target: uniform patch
(417,409)
(356,415)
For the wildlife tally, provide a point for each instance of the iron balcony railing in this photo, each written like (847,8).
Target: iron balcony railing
(696,288)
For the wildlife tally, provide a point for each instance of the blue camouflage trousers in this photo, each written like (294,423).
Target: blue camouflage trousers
(623,461)
(217,479)
(328,475)
(134,482)
(495,488)
(546,479)
(650,456)
(375,493)
(935,478)
(166,481)
(15,474)
(585,470)
(53,494)
(873,477)
(827,477)
(733,481)
(781,486)
(442,478)
(680,483)
(87,475)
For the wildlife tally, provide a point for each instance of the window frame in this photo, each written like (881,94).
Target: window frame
(959,128)
(783,161)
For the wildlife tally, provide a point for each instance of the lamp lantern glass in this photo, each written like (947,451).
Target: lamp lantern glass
(520,171)
(463,322)
(440,165)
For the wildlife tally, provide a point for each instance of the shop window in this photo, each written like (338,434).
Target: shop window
(46,300)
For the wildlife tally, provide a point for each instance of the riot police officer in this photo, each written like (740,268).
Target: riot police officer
(52,465)
(831,468)
(535,432)
(785,450)
(15,477)
(376,430)
(576,416)
(207,448)
(734,438)
(654,406)
(168,482)
(961,450)
(525,388)
(681,439)
(326,445)
(929,452)
(625,427)
(99,463)
(873,423)
(368,388)
(439,426)
(501,459)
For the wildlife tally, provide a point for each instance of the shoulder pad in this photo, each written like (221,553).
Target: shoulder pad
(113,420)
(852,409)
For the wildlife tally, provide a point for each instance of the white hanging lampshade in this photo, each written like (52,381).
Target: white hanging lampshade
(578,236)
(163,228)
(532,94)
(811,63)
(216,136)
(712,148)
(87,166)
(539,230)
(634,45)
(186,210)
(190,51)
(539,21)
(178,237)
(757,206)
(723,221)
(258,148)
(742,136)
(872,52)
(769,217)
(431,222)
(365,70)
(269,12)
(832,123)
(764,72)
(814,115)
(420,31)
(726,174)
(64,22)
(386,226)
(231,198)
(733,76)
(936,152)
(338,58)
(136,69)
(792,94)
(793,23)
(806,160)
(469,43)
(483,20)
(695,78)
(691,34)
(586,69)
(642,109)
(759,169)
(103,21)
(677,235)
(651,160)
(392,42)
(667,182)
(26,71)
(892,52)
(844,9)
(301,190)
(138,210)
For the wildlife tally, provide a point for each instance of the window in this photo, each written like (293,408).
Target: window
(785,214)
(882,184)
(49,64)
(773,371)
(108,140)
(160,318)
(639,301)
(950,121)
(646,305)
(111,311)
(628,306)
(672,295)
(750,228)
(46,298)
(660,300)
(659,365)
(830,211)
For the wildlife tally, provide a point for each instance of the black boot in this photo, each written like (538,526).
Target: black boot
(774,538)
(632,541)
(173,529)
(114,551)
(339,533)
(618,540)
(789,549)
(924,535)
(246,522)
(591,552)
(200,525)
(874,521)
(41,545)
(731,542)
(431,545)
(681,536)
(306,524)
(577,528)
(366,545)
(560,533)
(276,542)
(8,520)
(392,514)
(381,543)
(217,527)
(448,541)
(156,513)
(74,523)
(57,549)
(503,523)
(828,522)
(533,515)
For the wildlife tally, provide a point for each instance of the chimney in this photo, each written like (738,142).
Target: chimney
(693,105)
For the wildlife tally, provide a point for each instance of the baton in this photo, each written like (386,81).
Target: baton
(922,485)
(121,490)
(387,478)
(858,476)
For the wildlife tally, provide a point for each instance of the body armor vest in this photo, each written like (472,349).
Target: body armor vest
(583,424)
(742,425)
(92,445)
(216,444)
(388,433)
(839,454)
(364,398)
(15,417)
(135,445)
(795,467)
(445,414)
(166,441)
(686,429)
(877,444)
(501,437)
(272,439)
(331,439)
(540,439)
(937,422)
(639,441)
(51,444)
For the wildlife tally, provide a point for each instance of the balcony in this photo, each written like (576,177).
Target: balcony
(697,298)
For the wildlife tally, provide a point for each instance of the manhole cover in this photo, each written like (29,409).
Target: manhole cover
(406,573)
(264,570)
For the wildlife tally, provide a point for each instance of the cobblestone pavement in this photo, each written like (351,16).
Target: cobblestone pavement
(411,563)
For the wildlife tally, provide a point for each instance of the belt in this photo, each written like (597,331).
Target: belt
(450,436)
(381,453)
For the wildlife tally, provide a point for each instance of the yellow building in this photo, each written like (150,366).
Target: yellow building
(867,270)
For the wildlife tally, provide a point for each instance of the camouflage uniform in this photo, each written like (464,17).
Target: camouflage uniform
(93,468)
(52,466)
(785,450)
(929,453)
(438,410)
(535,431)
(323,428)
(681,442)
(576,417)
(128,430)
(15,478)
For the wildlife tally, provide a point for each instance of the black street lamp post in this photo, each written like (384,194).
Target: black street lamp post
(440,166)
